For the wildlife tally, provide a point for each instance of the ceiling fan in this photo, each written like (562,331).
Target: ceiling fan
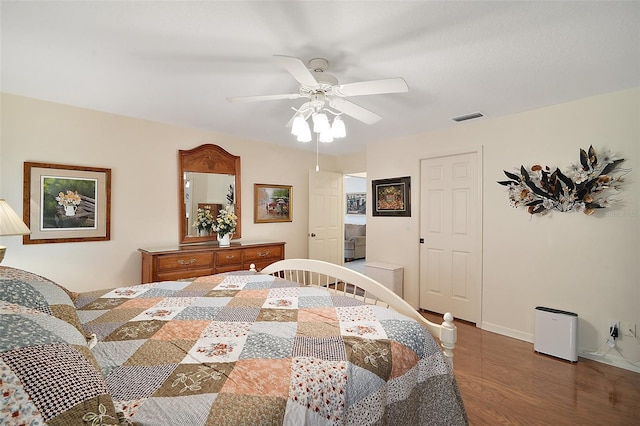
(323,92)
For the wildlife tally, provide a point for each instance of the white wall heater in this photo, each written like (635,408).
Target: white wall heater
(556,333)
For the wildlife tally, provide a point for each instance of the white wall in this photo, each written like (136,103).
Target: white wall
(143,158)
(585,264)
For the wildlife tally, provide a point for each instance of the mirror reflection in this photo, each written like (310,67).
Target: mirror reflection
(206,192)
(209,180)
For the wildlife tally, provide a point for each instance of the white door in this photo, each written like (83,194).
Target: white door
(450,232)
(326,238)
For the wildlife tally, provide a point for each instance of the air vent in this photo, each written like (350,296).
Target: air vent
(468,117)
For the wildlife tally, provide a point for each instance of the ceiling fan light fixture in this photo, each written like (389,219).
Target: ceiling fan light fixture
(337,128)
(326,136)
(299,125)
(321,89)
(320,122)
(305,133)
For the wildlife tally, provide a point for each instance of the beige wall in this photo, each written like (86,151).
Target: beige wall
(586,264)
(589,265)
(142,156)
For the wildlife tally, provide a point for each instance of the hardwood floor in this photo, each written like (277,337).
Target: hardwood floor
(503,381)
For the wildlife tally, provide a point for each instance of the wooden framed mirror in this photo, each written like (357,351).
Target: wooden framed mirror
(209,178)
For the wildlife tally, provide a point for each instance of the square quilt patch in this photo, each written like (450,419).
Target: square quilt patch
(133,330)
(193,379)
(220,349)
(158,313)
(267,377)
(277,315)
(181,330)
(230,409)
(160,352)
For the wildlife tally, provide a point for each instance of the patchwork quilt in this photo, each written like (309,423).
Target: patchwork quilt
(250,349)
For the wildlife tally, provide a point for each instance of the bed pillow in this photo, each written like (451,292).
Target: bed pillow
(47,373)
(39,293)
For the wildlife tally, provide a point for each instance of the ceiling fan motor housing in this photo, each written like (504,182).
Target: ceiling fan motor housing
(318,64)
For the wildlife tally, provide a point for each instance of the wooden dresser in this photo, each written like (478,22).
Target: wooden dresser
(174,263)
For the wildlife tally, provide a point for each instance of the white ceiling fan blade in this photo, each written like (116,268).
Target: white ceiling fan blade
(264,97)
(355,111)
(297,69)
(373,87)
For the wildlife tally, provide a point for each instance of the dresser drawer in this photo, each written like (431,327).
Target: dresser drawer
(177,262)
(229,268)
(260,254)
(183,274)
(228,257)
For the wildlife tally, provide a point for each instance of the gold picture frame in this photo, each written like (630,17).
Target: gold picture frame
(64,203)
(272,203)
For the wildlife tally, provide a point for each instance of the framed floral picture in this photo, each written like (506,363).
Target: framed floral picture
(391,197)
(65,204)
(272,203)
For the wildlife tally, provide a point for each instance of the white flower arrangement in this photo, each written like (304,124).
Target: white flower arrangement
(225,222)
(71,198)
(584,188)
(204,220)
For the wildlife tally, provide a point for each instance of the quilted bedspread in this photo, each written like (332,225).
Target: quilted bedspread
(249,349)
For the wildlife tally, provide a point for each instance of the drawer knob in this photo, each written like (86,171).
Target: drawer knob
(265,254)
(230,256)
(186,262)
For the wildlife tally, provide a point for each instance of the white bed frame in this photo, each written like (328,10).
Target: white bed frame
(347,282)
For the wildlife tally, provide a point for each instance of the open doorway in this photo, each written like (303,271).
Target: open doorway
(355,221)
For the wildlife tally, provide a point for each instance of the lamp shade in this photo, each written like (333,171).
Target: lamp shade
(10,223)
(337,128)
(326,136)
(320,122)
(299,125)
(305,135)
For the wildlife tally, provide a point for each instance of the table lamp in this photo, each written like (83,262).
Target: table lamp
(10,224)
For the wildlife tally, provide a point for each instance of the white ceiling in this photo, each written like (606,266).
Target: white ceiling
(176,62)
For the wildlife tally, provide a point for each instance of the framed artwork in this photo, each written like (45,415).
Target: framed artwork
(272,203)
(391,197)
(64,204)
(356,203)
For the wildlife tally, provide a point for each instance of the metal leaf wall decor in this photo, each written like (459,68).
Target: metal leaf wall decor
(584,188)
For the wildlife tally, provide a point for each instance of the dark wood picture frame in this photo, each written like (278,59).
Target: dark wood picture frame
(66,204)
(272,203)
(391,197)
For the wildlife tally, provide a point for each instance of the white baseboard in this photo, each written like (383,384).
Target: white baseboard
(610,358)
(509,332)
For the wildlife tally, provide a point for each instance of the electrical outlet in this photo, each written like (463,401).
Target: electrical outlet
(614,329)
(628,329)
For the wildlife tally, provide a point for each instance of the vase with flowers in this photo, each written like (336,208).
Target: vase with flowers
(203,222)
(69,201)
(225,225)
